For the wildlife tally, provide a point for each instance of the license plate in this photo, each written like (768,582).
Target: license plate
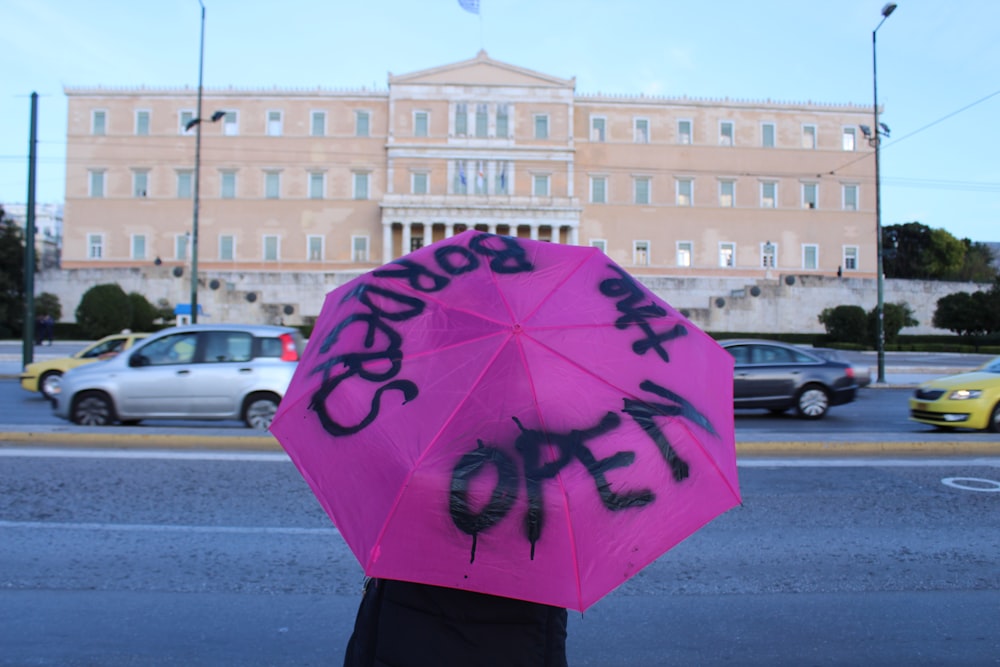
(920,406)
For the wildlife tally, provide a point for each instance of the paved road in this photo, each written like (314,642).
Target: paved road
(183,558)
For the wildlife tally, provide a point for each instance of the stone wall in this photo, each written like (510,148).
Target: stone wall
(779,304)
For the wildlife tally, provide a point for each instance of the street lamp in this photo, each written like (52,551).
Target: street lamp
(196,123)
(888,9)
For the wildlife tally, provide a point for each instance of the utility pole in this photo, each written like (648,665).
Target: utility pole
(28,348)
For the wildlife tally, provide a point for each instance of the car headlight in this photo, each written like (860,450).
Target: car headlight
(965,394)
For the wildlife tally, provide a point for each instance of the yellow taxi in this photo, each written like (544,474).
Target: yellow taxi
(45,377)
(967,400)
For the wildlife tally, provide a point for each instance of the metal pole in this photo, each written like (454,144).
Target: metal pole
(28,346)
(888,9)
(197,174)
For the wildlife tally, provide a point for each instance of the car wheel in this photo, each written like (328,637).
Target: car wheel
(812,402)
(93,408)
(259,411)
(993,425)
(49,384)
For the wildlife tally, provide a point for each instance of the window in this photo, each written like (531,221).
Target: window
(96,183)
(140,182)
(317,185)
(361,185)
(227,247)
(418,182)
(503,125)
(597,129)
(185,181)
(480,182)
(186,116)
(540,185)
(362,120)
(684,187)
(641,185)
(231,124)
(850,198)
(317,124)
(228,184)
(727,194)
(98,122)
(461,119)
(810,256)
(685,250)
(767,135)
(541,126)
(502,180)
(600,244)
(227,346)
(727,255)
(171,350)
(142,123)
(272,247)
(460,185)
(810,195)
(726,133)
(640,253)
(359,248)
(482,120)
(420,123)
(768,253)
(138,246)
(272,184)
(181,246)
(274,123)
(598,190)
(849,140)
(95,246)
(684,132)
(809,136)
(851,258)
(641,130)
(768,194)
(314,248)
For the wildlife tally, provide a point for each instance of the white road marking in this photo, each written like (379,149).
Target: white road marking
(166,528)
(972,484)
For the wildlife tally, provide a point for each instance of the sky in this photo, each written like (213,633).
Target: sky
(938,73)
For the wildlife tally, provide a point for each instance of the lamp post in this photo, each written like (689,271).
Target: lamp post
(888,9)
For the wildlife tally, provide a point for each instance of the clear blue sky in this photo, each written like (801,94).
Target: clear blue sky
(934,60)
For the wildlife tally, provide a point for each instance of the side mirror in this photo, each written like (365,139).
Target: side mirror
(137,360)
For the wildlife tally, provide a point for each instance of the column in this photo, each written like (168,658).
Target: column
(406,239)
(491,228)
(449,229)
(386,241)
(574,234)
(534,230)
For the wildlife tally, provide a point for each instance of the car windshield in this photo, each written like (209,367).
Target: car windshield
(993,366)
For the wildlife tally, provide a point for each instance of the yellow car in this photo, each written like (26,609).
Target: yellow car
(966,400)
(46,376)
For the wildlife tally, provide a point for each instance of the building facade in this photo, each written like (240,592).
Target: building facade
(48,231)
(325,181)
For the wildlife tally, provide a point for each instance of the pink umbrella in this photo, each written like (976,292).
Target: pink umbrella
(511,417)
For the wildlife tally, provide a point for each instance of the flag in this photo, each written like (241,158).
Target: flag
(503,178)
(469,5)
(461,171)
(480,177)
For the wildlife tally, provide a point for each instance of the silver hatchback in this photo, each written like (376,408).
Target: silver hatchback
(201,371)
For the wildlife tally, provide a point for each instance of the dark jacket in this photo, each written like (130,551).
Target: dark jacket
(402,624)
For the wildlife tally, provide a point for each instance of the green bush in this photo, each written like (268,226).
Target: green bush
(143,312)
(846,324)
(103,310)
(47,303)
(895,316)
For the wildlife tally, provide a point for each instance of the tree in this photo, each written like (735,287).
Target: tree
(11,277)
(977,266)
(916,252)
(47,303)
(962,313)
(104,309)
(143,312)
(846,324)
(895,317)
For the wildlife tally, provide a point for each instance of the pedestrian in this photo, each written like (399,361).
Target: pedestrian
(405,624)
(39,330)
(48,329)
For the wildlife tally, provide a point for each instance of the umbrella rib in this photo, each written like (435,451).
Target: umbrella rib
(572,272)
(430,445)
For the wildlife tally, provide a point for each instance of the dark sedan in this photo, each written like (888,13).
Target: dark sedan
(776,376)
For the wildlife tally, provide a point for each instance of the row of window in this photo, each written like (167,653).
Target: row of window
(768,253)
(481,177)
(315,250)
(270,245)
(480,121)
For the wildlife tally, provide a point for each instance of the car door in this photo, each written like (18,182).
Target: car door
(159,379)
(224,373)
(775,373)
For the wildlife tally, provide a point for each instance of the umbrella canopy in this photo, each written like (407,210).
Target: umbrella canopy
(511,417)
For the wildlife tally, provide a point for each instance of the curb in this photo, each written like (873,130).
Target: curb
(141,440)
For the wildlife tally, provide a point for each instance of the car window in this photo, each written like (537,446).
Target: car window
(770,354)
(741,353)
(107,347)
(223,346)
(174,349)
(994,366)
